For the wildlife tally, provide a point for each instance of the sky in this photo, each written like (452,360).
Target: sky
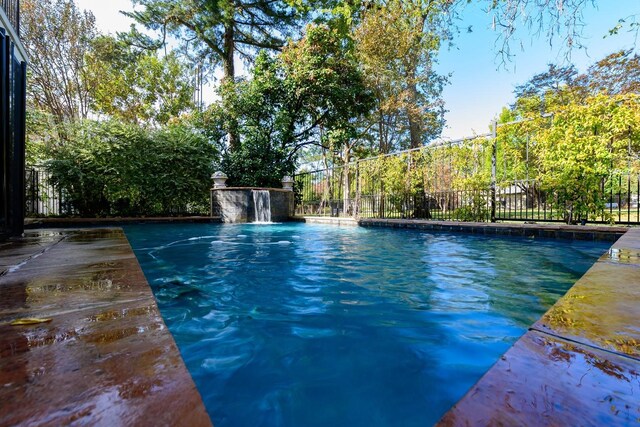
(479,85)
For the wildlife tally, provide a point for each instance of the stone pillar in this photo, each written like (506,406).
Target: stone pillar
(219,180)
(287,183)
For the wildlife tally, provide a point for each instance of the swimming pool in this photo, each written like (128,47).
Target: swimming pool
(305,325)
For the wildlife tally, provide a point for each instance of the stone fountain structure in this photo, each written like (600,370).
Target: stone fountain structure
(248,204)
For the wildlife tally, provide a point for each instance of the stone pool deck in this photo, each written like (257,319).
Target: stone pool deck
(106,356)
(553,231)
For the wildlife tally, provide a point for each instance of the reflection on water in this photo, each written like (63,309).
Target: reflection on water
(293,324)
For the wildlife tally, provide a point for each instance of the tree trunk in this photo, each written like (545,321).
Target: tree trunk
(415,125)
(229,76)
(414,115)
(381,139)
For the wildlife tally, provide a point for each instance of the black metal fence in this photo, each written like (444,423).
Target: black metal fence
(42,197)
(12,10)
(616,202)
(426,184)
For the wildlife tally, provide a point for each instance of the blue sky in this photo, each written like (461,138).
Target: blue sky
(479,86)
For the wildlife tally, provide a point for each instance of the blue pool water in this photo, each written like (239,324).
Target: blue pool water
(303,325)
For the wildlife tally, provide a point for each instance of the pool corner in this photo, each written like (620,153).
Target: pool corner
(579,363)
(96,349)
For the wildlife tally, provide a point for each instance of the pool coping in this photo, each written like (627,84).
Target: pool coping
(72,222)
(579,364)
(554,231)
(99,351)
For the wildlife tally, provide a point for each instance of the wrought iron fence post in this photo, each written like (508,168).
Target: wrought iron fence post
(494,148)
(356,208)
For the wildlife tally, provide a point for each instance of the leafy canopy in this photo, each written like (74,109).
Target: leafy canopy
(213,31)
(311,94)
(137,86)
(112,168)
(57,36)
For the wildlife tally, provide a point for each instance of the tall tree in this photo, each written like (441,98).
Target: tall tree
(313,94)
(137,86)
(214,31)
(553,80)
(396,42)
(617,73)
(217,30)
(57,37)
(559,85)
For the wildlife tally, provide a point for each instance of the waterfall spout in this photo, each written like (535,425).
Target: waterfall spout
(262,204)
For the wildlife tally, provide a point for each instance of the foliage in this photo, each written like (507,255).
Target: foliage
(581,148)
(475,209)
(111,168)
(553,20)
(617,73)
(573,131)
(41,135)
(56,36)
(396,42)
(554,81)
(214,31)
(136,86)
(575,150)
(209,124)
(311,94)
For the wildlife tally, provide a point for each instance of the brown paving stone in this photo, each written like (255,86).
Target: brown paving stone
(106,357)
(630,240)
(58,289)
(602,309)
(606,233)
(66,257)
(16,251)
(621,255)
(543,380)
(96,366)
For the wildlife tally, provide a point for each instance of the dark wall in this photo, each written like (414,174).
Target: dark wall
(12,133)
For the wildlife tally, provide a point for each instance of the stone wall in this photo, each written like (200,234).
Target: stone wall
(235,204)
(282,205)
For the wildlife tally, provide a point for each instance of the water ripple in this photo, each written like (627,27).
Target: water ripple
(291,324)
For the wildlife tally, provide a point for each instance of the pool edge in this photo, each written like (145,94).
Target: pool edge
(554,231)
(578,364)
(105,355)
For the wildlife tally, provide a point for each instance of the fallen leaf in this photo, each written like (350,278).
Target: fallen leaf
(29,321)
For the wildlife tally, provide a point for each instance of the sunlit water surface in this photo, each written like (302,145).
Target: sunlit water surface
(306,325)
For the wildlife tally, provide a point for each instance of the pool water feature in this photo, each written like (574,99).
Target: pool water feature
(262,205)
(310,325)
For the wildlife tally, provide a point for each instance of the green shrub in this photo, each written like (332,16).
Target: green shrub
(475,211)
(114,169)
